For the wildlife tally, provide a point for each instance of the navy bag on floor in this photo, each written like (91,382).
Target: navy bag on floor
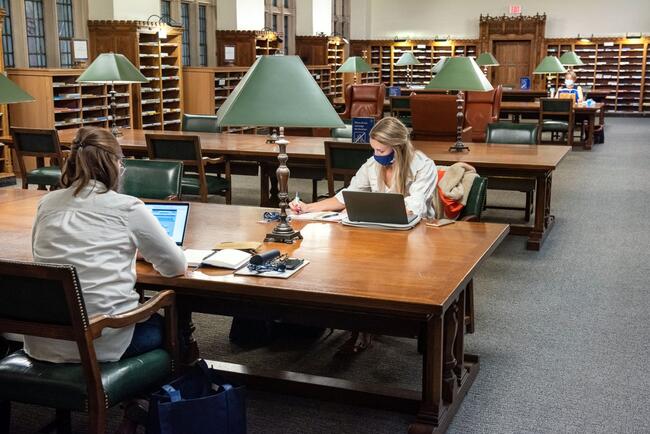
(198,402)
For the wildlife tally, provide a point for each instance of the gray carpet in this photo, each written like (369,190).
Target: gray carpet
(562,333)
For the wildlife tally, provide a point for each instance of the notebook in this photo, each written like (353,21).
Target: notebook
(172,216)
(226,258)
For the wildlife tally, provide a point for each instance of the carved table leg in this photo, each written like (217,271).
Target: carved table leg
(189,348)
(543,218)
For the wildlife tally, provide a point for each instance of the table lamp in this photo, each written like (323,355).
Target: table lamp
(10,93)
(408,59)
(355,65)
(570,58)
(114,69)
(438,66)
(486,59)
(279,91)
(461,74)
(549,65)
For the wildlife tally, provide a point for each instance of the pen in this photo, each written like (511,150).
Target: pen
(206,257)
(326,216)
(213,252)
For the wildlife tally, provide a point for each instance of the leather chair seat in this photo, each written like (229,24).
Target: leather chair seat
(342,132)
(190,184)
(551,125)
(63,385)
(48,175)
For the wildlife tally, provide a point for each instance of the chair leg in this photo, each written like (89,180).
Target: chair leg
(63,422)
(5,416)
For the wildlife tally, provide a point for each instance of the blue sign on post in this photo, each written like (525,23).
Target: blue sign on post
(524,83)
(361,129)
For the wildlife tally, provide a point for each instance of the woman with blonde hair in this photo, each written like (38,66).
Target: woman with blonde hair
(395,167)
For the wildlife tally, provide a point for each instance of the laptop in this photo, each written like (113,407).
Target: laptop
(173,217)
(387,208)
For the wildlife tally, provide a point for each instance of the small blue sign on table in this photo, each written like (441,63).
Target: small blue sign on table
(361,129)
(394,91)
(524,83)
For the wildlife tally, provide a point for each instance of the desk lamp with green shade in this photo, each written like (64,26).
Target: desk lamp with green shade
(570,59)
(408,59)
(10,93)
(112,68)
(439,64)
(486,59)
(549,65)
(460,74)
(279,91)
(355,65)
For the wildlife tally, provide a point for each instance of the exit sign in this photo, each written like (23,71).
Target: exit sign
(514,9)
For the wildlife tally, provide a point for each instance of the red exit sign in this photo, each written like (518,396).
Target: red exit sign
(514,9)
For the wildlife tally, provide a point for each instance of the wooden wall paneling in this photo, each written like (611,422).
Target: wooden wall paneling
(312,49)
(198,90)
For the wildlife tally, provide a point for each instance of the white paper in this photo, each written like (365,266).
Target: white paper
(80,49)
(229,53)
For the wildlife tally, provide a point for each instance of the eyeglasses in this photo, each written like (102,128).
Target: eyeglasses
(122,167)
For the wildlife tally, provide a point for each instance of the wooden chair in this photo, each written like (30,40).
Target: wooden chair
(513,134)
(200,123)
(41,144)
(46,300)
(152,179)
(342,160)
(187,149)
(556,116)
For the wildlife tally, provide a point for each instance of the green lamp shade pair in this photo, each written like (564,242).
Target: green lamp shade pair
(355,64)
(278,91)
(10,93)
(407,59)
(550,65)
(112,68)
(487,59)
(570,58)
(460,73)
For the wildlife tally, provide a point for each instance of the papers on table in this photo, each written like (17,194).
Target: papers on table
(323,216)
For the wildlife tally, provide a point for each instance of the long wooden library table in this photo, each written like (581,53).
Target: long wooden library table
(518,108)
(345,286)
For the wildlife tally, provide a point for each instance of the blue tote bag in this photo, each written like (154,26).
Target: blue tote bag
(198,402)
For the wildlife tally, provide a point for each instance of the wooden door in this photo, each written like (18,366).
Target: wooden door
(514,60)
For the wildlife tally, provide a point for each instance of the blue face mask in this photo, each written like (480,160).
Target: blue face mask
(385,160)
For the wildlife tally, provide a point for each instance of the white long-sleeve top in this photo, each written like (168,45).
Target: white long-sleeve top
(99,233)
(420,186)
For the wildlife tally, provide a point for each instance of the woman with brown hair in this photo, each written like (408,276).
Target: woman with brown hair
(90,225)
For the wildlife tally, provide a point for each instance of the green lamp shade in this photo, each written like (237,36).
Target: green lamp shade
(438,66)
(278,91)
(487,59)
(11,93)
(570,58)
(355,64)
(112,68)
(549,65)
(406,59)
(460,73)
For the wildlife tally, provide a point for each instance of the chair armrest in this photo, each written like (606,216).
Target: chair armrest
(218,160)
(470,218)
(161,300)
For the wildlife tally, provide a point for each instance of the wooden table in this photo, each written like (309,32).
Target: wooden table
(518,109)
(346,286)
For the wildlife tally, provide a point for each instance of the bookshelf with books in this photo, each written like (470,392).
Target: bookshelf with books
(156,49)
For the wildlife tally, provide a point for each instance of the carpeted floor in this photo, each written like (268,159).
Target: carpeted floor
(562,333)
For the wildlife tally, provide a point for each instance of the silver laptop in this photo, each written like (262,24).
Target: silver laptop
(173,217)
(363,206)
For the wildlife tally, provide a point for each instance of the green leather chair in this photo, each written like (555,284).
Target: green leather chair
(187,149)
(342,160)
(200,123)
(556,116)
(152,179)
(46,300)
(41,144)
(513,134)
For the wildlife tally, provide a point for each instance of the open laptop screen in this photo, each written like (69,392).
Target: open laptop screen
(172,217)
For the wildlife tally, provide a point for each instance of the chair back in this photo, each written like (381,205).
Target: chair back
(433,116)
(482,108)
(553,108)
(364,100)
(400,105)
(343,159)
(512,134)
(200,123)
(153,179)
(39,143)
(184,148)
(476,199)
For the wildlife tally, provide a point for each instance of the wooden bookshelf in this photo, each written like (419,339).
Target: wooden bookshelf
(61,102)
(336,49)
(7,176)
(157,104)
(616,65)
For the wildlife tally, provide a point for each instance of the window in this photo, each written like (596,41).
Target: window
(66,31)
(286,3)
(275,2)
(203,37)
(286,34)
(7,37)
(275,23)
(165,10)
(185,20)
(35,33)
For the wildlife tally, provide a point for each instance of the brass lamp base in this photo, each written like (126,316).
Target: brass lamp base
(459,146)
(287,238)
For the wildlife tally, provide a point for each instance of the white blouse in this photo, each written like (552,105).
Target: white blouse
(99,233)
(420,186)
